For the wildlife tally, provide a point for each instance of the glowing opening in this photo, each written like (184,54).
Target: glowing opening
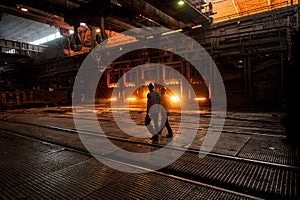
(46,39)
(174,98)
(200,98)
(11,51)
(131,99)
(113,99)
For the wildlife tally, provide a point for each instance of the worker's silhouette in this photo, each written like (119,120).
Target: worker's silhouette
(153,109)
(166,104)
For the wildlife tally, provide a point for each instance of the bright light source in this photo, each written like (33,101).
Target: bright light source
(200,99)
(170,32)
(46,39)
(82,24)
(113,99)
(197,26)
(180,3)
(174,98)
(131,99)
(24,9)
(98,30)
(11,51)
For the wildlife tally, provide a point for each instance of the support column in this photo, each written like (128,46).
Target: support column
(292,121)
(247,76)
(93,37)
(159,71)
(281,75)
(188,77)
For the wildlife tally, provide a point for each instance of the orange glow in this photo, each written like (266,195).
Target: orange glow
(131,99)
(174,98)
(200,99)
(113,99)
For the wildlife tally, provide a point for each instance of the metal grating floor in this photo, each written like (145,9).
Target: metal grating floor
(260,180)
(31,169)
(271,150)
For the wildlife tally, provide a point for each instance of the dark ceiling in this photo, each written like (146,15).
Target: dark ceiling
(44,16)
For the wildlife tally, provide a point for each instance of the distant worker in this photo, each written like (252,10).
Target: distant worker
(153,101)
(166,104)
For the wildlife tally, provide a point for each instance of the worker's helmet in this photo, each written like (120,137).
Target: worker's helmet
(151,86)
(163,89)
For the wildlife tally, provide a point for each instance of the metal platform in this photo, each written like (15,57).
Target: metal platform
(42,157)
(32,169)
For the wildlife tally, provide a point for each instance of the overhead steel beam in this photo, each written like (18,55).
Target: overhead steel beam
(9,44)
(41,15)
(41,5)
(65,3)
(119,23)
(65,14)
(148,10)
(38,16)
(185,13)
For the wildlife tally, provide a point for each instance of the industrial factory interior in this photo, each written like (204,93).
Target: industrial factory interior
(149,99)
